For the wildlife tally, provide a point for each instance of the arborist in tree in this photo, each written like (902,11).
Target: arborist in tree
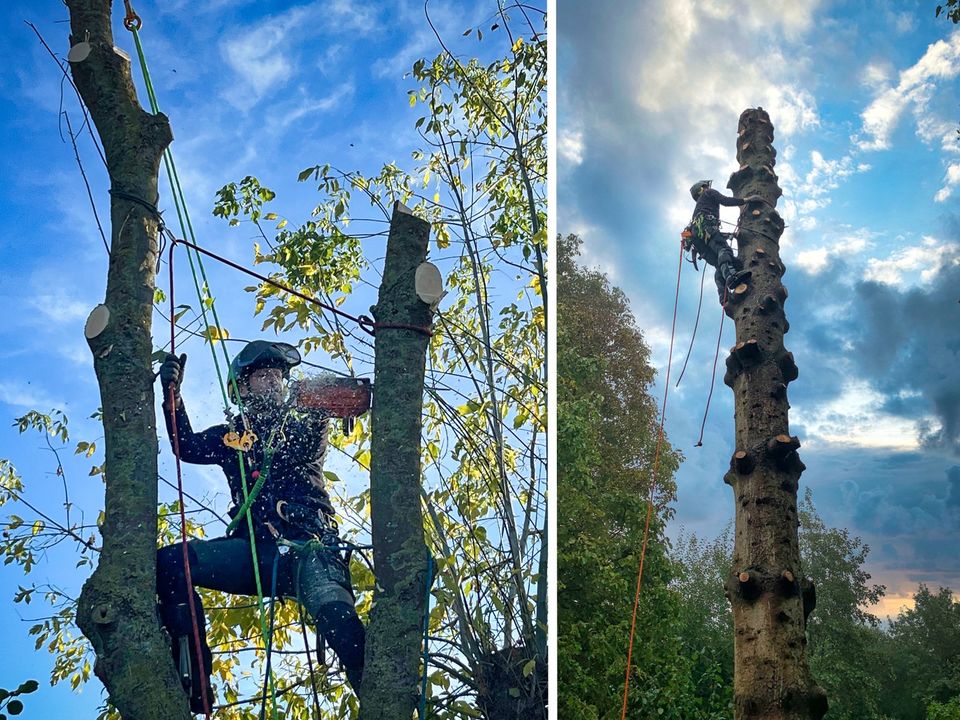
(297,543)
(704,239)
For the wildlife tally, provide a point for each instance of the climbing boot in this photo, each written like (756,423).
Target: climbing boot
(736,278)
(731,276)
(177,621)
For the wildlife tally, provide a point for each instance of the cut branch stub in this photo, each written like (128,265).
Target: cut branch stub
(768,304)
(97,321)
(746,584)
(788,368)
(788,585)
(738,293)
(780,446)
(773,218)
(743,462)
(791,461)
(748,352)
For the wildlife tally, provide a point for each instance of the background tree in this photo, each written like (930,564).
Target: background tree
(924,655)
(844,646)
(607,426)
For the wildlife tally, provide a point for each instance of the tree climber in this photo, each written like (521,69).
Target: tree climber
(703,235)
(286,446)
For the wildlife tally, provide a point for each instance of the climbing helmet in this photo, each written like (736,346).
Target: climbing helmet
(260,354)
(698,187)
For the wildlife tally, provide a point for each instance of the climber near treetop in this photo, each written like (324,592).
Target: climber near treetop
(282,452)
(704,237)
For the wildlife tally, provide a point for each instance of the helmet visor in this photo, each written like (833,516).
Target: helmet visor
(264,354)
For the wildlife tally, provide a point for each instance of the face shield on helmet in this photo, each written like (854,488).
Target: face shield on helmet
(261,354)
(698,187)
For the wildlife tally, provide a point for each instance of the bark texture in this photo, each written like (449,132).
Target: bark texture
(390,687)
(771,677)
(117,607)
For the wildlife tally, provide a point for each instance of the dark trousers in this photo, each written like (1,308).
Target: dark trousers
(713,246)
(311,575)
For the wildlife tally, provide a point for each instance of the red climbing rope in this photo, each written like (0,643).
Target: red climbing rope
(653,485)
(172,399)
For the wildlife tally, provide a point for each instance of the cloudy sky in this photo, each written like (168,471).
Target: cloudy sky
(251,88)
(863,98)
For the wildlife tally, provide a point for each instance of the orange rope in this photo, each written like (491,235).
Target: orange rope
(653,486)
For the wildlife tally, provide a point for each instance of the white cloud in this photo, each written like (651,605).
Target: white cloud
(21,395)
(813,261)
(854,418)
(262,55)
(340,95)
(816,260)
(876,75)
(570,146)
(951,179)
(941,61)
(825,175)
(902,22)
(929,257)
(258,57)
(795,17)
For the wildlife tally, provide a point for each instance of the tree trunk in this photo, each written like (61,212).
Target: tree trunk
(390,687)
(117,607)
(771,677)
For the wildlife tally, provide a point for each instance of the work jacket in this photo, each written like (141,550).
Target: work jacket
(295,443)
(710,201)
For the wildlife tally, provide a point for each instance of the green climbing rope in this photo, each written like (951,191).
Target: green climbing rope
(186,226)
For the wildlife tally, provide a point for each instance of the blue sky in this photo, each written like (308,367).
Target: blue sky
(251,88)
(865,105)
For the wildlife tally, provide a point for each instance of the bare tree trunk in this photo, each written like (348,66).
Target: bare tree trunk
(771,677)
(117,607)
(390,689)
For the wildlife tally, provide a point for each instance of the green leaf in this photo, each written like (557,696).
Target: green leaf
(28,687)
(15,707)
